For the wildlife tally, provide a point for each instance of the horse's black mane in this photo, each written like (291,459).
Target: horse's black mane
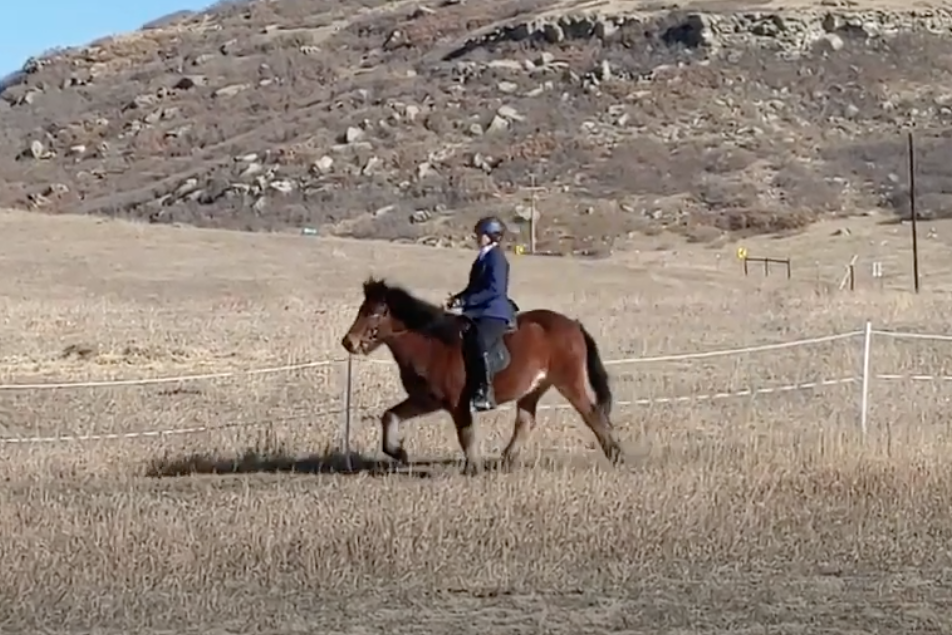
(417,315)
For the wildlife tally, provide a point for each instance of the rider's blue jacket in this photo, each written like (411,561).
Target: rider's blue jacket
(487,294)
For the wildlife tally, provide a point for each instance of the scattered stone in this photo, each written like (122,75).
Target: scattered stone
(498,124)
(282,186)
(484,163)
(509,113)
(37,200)
(56,189)
(190,81)
(187,187)
(26,99)
(231,90)
(421,12)
(511,65)
(251,169)
(830,43)
(142,101)
(424,170)
(420,216)
(201,59)
(230,47)
(36,151)
(372,164)
(396,39)
(351,135)
(507,87)
(175,133)
(161,114)
(553,33)
(322,165)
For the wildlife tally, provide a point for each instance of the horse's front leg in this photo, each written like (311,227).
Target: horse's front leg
(466,433)
(407,409)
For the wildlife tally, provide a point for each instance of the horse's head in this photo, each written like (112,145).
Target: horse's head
(374,322)
(388,311)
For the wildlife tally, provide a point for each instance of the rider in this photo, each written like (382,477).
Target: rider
(485,301)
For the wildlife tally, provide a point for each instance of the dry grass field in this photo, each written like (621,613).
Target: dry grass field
(738,515)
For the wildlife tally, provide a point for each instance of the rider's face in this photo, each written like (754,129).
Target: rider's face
(481,240)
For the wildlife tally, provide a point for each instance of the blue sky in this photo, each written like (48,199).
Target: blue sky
(29,27)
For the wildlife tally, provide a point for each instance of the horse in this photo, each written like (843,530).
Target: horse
(543,349)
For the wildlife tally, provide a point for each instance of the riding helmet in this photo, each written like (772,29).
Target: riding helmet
(490,226)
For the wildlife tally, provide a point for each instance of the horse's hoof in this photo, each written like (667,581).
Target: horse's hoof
(470,469)
(617,458)
(399,455)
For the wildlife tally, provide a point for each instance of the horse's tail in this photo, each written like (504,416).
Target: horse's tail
(597,375)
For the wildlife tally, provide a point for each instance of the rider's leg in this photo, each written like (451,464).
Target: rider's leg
(488,332)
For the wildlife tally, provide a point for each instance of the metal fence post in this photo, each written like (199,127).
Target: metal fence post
(864,398)
(348,397)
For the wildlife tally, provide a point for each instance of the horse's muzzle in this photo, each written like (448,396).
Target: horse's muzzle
(349,345)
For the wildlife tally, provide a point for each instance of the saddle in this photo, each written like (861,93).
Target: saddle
(499,357)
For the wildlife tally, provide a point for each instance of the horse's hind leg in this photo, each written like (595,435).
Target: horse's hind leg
(574,392)
(525,422)
(390,424)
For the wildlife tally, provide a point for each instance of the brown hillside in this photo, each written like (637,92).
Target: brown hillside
(403,120)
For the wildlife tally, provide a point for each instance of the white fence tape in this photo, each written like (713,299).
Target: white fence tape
(864,379)
(708,354)
(913,336)
(110,436)
(715,396)
(152,381)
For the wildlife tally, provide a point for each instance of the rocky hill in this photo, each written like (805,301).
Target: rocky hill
(404,120)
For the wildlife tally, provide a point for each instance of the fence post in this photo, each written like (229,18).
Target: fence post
(348,394)
(864,399)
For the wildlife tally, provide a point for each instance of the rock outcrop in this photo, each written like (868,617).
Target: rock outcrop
(405,121)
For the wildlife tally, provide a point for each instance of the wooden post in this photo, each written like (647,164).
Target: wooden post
(848,275)
(913,213)
(532,213)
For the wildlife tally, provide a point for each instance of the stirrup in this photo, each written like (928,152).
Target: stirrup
(483,401)
(482,406)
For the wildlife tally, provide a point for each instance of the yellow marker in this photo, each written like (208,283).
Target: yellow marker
(520,249)
(742,253)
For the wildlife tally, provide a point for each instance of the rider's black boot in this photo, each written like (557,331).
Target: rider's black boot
(483,398)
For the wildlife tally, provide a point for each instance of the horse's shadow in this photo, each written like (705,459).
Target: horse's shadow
(263,461)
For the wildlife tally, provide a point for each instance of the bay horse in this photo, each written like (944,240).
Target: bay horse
(545,349)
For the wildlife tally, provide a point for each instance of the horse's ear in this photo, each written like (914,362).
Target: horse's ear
(375,289)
